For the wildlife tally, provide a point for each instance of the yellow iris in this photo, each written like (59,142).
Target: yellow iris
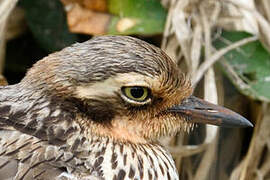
(136,93)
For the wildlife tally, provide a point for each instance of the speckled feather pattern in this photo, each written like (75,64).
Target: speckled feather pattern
(55,134)
(100,158)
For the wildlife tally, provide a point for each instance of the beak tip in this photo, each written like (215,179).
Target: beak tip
(247,124)
(239,121)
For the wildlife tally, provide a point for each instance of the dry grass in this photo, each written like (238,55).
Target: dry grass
(192,25)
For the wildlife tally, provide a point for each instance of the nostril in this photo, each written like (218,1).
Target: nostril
(207,109)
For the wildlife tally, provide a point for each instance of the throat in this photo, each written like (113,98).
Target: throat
(118,129)
(123,135)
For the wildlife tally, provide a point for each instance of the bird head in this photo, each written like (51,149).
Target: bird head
(124,88)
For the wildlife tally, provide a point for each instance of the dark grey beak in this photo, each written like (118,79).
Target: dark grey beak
(199,111)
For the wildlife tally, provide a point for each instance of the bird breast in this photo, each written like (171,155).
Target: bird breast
(130,161)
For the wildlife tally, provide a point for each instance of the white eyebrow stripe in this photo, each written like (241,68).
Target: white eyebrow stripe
(105,88)
(112,85)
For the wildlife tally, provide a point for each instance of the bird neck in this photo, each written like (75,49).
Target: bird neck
(113,159)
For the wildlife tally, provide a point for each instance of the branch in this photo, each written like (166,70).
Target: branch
(214,58)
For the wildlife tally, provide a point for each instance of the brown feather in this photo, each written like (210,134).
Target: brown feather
(70,104)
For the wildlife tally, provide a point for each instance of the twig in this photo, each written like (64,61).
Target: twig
(234,76)
(5,9)
(266,6)
(210,94)
(214,58)
(264,28)
(167,28)
(187,150)
(182,29)
(196,46)
(259,140)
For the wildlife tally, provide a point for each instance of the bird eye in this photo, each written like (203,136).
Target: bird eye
(136,93)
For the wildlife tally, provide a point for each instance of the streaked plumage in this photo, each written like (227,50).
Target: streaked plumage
(72,116)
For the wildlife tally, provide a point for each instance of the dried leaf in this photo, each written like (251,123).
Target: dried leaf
(82,20)
(115,16)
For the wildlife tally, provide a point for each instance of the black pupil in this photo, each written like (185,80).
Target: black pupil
(137,92)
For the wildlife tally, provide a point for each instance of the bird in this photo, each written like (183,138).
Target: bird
(96,110)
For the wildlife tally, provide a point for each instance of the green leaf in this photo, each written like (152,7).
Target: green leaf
(248,67)
(47,21)
(147,16)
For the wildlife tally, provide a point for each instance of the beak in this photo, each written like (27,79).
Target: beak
(199,111)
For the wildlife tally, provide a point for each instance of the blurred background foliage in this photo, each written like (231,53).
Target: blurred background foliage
(196,34)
